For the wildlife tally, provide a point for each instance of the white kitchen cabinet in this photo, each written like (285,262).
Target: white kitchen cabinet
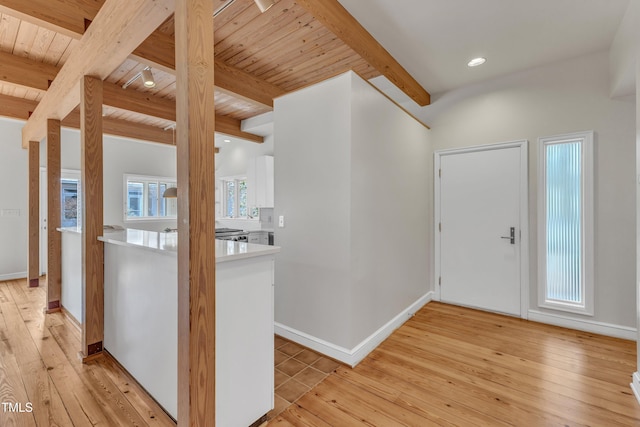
(260,182)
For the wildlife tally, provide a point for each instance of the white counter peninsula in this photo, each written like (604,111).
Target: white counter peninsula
(141,320)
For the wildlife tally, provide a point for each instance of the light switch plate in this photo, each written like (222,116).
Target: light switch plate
(281,221)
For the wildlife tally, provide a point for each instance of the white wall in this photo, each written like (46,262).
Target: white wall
(13,196)
(352,174)
(564,97)
(121,156)
(390,211)
(312,174)
(232,160)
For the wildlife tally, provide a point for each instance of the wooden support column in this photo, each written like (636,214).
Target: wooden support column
(54,249)
(33,255)
(92,216)
(196,218)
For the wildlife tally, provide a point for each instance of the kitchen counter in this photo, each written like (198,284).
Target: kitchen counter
(166,243)
(141,320)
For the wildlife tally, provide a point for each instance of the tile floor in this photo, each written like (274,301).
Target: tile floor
(297,370)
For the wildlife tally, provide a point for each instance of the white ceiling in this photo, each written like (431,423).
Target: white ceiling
(434,39)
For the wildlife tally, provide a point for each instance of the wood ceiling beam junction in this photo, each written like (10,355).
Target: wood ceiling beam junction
(157,50)
(118,29)
(340,22)
(12,71)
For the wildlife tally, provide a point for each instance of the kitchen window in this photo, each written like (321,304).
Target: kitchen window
(565,216)
(234,198)
(144,201)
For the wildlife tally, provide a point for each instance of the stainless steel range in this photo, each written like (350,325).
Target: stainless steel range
(234,234)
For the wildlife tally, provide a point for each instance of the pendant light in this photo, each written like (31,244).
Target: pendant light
(170,193)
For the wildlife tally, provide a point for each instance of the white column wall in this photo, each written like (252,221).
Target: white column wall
(312,191)
(391,173)
(352,179)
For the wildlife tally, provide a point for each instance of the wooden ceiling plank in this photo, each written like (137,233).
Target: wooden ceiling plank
(119,27)
(240,20)
(266,29)
(228,126)
(322,48)
(338,20)
(300,42)
(319,42)
(41,44)
(8,32)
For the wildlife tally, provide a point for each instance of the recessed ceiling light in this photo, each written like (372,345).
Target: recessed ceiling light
(476,61)
(227,140)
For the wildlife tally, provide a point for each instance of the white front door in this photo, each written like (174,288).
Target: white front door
(480,205)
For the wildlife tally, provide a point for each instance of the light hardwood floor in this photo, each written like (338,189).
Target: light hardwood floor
(446,366)
(455,366)
(39,365)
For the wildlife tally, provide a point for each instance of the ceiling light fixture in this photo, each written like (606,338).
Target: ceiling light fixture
(147,78)
(227,140)
(264,5)
(476,61)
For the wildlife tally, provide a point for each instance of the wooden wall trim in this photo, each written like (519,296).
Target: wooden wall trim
(91,165)
(54,245)
(196,227)
(33,251)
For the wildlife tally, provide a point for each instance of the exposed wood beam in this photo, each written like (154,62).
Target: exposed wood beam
(239,83)
(126,129)
(341,23)
(158,50)
(54,245)
(33,255)
(118,28)
(26,72)
(91,168)
(65,17)
(196,217)
(18,108)
(232,127)
(12,70)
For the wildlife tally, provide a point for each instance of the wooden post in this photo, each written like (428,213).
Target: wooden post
(92,217)
(54,253)
(196,218)
(33,255)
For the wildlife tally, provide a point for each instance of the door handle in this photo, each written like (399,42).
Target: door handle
(511,237)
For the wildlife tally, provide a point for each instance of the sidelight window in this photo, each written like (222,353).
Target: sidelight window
(565,216)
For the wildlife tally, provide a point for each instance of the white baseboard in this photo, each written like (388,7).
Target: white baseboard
(352,356)
(602,328)
(13,276)
(635,385)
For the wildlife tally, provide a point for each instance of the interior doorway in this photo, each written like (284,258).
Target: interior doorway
(481,219)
